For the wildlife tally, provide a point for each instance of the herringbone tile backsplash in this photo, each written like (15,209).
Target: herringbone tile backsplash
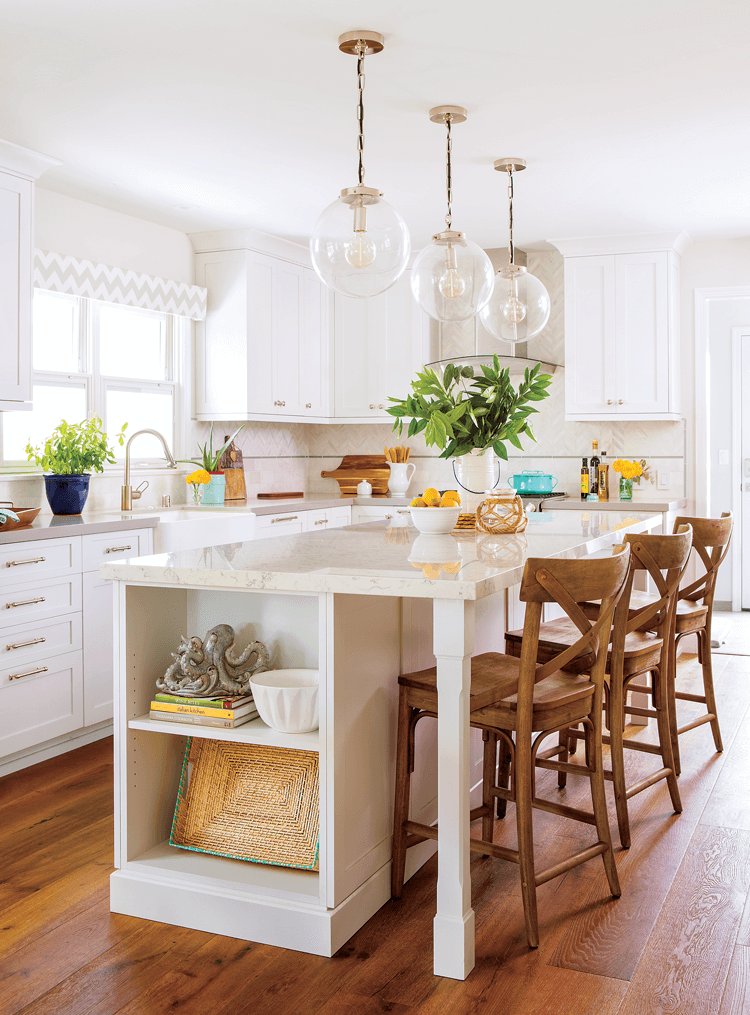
(292,455)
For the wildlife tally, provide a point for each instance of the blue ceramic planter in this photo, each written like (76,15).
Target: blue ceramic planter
(67,494)
(213,493)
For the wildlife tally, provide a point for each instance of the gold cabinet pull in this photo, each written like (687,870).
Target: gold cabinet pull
(322,521)
(30,560)
(291,518)
(28,673)
(25,602)
(25,644)
(117,549)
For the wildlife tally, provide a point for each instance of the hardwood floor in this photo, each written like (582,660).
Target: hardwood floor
(677,941)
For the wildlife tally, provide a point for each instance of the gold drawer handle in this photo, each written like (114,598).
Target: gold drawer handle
(308,405)
(291,518)
(117,549)
(25,602)
(31,560)
(28,673)
(322,521)
(25,644)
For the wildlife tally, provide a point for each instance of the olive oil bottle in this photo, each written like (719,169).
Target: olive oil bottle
(603,477)
(585,477)
(594,469)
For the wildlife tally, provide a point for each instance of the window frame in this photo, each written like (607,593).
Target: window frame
(176,336)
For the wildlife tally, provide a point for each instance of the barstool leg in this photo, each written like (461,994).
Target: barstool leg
(523,784)
(564,741)
(503,775)
(403,783)
(669,686)
(708,687)
(665,739)
(616,726)
(599,803)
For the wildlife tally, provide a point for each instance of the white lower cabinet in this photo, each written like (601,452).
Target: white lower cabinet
(56,645)
(292,523)
(378,513)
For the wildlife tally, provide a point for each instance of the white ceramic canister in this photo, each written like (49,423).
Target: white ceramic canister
(400,477)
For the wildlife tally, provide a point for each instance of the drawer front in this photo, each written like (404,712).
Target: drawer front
(25,643)
(317,520)
(39,558)
(338,517)
(290,524)
(31,601)
(360,513)
(37,706)
(102,547)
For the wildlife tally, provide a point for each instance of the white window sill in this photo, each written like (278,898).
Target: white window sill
(145,469)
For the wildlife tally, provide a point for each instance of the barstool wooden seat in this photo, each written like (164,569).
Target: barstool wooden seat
(641,645)
(543,699)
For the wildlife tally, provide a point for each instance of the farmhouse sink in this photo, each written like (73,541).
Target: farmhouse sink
(186,528)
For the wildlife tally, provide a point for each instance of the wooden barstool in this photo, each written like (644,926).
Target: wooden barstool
(544,699)
(641,645)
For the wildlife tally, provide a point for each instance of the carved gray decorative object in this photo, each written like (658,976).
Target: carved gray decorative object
(204,669)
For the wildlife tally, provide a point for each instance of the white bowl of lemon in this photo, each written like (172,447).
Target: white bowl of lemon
(435,514)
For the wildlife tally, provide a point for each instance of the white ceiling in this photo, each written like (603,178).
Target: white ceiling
(199,114)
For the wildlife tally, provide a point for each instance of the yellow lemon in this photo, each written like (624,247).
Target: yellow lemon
(452,568)
(418,502)
(431,570)
(454,494)
(431,497)
(416,564)
(448,500)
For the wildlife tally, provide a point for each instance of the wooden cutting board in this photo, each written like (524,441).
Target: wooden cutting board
(355,468)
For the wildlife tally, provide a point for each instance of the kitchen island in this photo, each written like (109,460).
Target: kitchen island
(360,604)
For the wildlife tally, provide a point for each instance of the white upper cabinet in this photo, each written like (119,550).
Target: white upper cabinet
(19,167)
(262,351)
(622,327)
(379,344)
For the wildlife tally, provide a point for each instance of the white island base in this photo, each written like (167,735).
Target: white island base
(350,603)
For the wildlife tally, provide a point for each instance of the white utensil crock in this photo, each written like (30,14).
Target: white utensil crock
(400,477)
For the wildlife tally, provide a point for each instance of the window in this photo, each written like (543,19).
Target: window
(94,358)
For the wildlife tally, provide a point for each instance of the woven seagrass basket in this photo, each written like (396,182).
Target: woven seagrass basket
(248,802)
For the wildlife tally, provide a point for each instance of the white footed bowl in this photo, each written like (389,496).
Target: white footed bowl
(287,700)
(435,519)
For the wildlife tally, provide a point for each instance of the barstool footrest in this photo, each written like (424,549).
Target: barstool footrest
(635,745)
(563,810)
(650,713)
(562,766)
(696,722)
(684,696)
(476,845)
(649,780)
(573,861)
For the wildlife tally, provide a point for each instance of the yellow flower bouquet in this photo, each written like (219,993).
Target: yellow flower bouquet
(198,479)
(629,471)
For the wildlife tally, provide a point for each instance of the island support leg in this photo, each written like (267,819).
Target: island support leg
(453,927)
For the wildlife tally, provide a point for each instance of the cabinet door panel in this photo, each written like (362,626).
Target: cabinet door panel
(642,344)
(289,338)
(15,289)
(39,706)
(221,347)
(262,326)
(590,335)
(313,354)
(402,353)
(358,326)
(98,649)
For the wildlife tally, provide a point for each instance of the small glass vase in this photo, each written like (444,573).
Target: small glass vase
(197,493)
(626,488)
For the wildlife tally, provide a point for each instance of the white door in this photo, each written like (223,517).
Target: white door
(590,385)
(358,331)
(289,338)
(313,354)
(745,452)
(642,329)
(15,290)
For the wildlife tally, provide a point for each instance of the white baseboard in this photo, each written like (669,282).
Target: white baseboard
(52,748)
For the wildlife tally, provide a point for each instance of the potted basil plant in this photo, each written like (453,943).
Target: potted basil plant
(209,460)
(68,457)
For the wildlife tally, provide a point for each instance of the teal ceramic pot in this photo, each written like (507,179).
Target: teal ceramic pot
(213,493)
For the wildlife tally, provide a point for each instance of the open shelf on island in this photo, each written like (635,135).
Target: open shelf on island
(256,879)
(254,732)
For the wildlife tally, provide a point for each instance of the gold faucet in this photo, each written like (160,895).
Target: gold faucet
(128,493)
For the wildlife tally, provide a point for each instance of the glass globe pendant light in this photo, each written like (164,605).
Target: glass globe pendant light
(451,277)
(360,244)
(519,306)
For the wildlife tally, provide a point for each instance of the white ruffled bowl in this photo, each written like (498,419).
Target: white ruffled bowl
(435,519)
(287,700)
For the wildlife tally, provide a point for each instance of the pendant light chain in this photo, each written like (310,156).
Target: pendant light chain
(511,251)
(448,176)
(361,50)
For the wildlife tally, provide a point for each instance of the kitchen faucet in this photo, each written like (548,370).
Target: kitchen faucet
(128,493)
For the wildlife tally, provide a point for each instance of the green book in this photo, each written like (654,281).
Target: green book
(174,699)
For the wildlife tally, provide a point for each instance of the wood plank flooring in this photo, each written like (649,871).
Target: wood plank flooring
(678,941)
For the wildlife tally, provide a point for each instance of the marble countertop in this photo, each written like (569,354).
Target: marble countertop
(48,526)
(386,559)
(576,504)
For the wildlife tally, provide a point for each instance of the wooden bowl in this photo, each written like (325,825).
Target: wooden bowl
(25,517)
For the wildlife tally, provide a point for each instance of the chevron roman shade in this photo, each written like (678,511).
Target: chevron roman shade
(64,274)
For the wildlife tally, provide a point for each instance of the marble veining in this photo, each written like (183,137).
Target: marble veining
(374,559)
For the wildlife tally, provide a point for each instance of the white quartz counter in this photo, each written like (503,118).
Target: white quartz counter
(576,504)
(381,559)
(49,526)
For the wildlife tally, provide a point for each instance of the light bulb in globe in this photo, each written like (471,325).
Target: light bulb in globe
(360,251)
(451,284)
(519,307)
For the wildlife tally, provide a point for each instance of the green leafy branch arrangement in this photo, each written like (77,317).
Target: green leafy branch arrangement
(209,459)
(463,411)
(75,448)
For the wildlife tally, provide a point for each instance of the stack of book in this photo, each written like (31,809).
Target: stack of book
(225,712)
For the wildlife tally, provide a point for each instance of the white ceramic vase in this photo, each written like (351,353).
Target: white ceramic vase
(476,473)
(398,482)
